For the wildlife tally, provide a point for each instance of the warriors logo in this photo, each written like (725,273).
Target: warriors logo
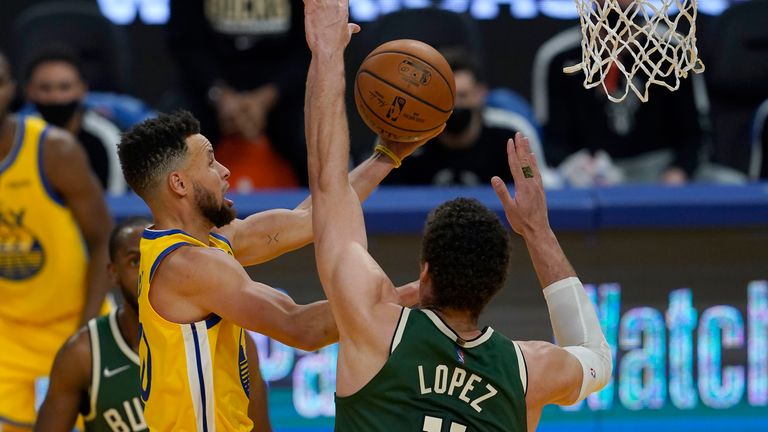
(21,253)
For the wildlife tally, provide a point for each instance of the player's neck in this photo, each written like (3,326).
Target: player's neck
(463,323)
(192,224)
(128,322)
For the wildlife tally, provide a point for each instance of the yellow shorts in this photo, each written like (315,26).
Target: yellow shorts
(25,362)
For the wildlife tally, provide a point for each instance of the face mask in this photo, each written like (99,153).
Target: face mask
(458,121)
(58,114)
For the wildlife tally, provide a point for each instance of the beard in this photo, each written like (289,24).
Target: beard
(217,214)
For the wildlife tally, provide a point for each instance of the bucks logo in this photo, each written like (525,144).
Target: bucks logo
(21,253)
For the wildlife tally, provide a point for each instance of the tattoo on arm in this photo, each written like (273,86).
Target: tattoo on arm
(273,238)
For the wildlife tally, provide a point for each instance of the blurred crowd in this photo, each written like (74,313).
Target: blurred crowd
(242,66)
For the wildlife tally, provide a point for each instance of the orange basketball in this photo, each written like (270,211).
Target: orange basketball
(404,90)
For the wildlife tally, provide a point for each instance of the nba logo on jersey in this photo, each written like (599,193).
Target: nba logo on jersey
(460,355)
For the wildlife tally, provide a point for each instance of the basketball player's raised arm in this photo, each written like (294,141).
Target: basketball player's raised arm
(70,175)
(582,363)
(266,235)
(352,280)
(68,388)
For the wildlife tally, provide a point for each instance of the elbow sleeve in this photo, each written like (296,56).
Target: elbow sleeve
(577,330)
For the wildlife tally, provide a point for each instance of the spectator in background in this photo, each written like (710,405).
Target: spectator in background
(54,227)
(596,141)
(56,87)
(243,68)
(469,151)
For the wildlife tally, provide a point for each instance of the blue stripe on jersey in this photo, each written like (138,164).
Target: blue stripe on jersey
(10,422)
(16,148)
(212,320)
(155,234)
(224,239)
(163,254)
(200,377)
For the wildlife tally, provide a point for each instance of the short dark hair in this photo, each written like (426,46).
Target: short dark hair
(154,147)
(461,59)
(115,237)
(54,54)
(467,250)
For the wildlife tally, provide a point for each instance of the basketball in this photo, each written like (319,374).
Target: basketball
(404,90)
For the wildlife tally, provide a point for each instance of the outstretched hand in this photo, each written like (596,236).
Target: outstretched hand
(526,211)
(327,25)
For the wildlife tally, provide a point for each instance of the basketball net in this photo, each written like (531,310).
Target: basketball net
(646,41)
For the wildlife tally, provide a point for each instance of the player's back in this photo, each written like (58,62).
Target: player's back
(435,382)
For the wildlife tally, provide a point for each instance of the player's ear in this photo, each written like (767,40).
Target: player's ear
(112,273)
(424,272)
(178,184)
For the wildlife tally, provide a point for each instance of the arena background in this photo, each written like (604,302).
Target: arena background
(675,273)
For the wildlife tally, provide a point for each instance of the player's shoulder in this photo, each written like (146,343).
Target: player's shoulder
(536,349)
(229,230)
(75,354)
(61,148)
(60,143)
(191,267)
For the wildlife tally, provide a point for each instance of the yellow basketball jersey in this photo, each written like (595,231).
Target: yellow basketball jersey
(42,254)
(194,377)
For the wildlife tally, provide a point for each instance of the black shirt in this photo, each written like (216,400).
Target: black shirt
(435,164)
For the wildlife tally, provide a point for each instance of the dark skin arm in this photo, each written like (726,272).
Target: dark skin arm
(68,390)
(69,173)
(257,408)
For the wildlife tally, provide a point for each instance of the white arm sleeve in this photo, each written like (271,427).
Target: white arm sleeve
(578,331)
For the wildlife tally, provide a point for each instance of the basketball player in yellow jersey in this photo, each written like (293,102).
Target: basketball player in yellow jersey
(195,298)
(54,227)
(96,371)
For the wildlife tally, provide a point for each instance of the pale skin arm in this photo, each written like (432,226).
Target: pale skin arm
(266,235)
(361,295)
(68,390)
(554,375)
(66,166)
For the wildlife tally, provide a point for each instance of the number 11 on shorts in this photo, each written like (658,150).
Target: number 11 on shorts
(434,424)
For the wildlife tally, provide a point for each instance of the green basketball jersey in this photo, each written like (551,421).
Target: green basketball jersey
(114,393)
(434,381)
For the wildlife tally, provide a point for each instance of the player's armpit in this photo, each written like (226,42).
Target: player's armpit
(69,382)
(554,375)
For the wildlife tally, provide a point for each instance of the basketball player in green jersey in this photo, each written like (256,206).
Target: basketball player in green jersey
(96,373)
(433,369)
